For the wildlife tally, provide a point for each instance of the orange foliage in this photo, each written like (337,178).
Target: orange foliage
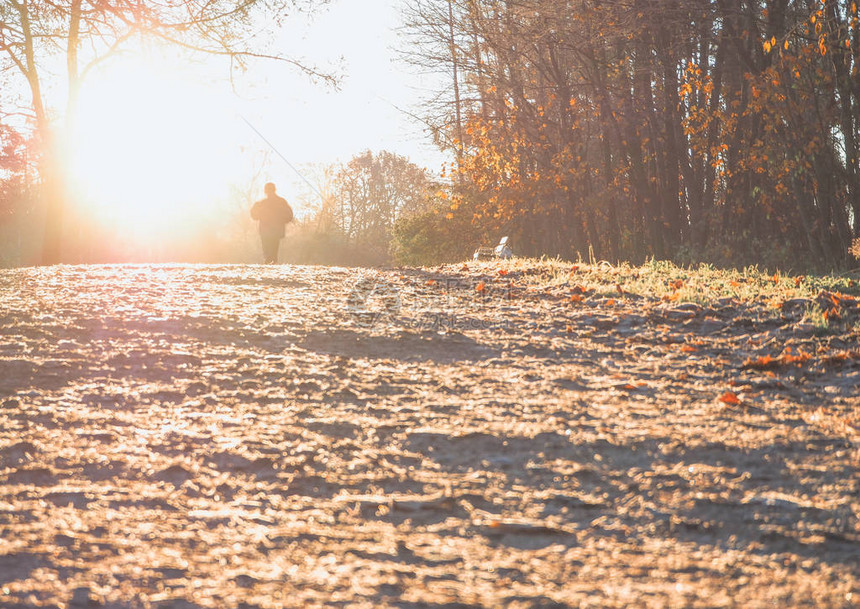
(573,163)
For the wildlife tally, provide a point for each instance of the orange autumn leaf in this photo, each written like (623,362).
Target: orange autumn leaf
(731,398)
(503,272)
(576,298)
(761,363)
(481,287)
(430,282)
(610,302)
(767,362)
(800,358)
(688,349)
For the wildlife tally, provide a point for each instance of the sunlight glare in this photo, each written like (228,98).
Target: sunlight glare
(153,147)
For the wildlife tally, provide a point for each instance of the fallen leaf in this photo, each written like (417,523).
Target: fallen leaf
(800,358)
(761,363)
(832,314)
(767,362)
(731,398)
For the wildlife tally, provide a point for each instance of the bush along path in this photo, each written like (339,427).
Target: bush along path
(517,434)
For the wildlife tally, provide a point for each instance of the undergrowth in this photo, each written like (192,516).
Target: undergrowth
(704,284)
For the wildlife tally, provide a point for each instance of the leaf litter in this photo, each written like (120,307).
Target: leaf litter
(519,434)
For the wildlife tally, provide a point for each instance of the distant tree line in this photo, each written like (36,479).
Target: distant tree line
(719,130)
(377,208)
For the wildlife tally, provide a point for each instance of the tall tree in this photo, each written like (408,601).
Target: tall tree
(715,129)
(373,191)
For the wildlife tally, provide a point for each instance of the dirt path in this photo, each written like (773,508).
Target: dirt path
(241,436)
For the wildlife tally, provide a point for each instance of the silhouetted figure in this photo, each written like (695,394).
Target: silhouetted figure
(273,213)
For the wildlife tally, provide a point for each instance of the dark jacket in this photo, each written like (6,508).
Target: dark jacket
(273,213)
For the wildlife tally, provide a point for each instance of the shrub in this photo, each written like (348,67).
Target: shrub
(430,238)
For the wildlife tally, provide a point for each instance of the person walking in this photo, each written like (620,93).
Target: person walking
(272,213)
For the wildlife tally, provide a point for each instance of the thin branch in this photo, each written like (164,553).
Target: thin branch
(113,50)
(235,54)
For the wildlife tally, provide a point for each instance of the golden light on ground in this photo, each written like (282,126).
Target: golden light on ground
(154,146)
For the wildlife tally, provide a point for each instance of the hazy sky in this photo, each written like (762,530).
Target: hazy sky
(312,123)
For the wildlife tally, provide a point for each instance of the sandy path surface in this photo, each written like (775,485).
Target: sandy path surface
(245,436)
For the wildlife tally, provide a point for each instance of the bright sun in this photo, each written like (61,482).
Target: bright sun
(154,149)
